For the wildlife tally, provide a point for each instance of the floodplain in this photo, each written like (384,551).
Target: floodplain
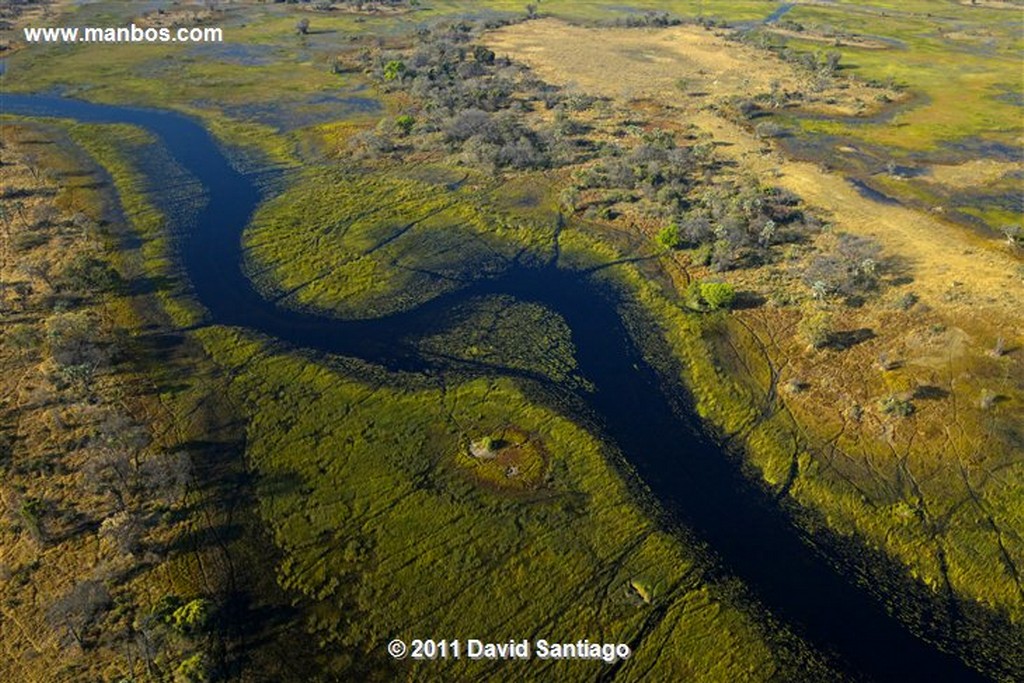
(801,225)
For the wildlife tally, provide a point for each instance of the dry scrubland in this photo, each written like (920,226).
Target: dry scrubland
(895,421)
(105,531)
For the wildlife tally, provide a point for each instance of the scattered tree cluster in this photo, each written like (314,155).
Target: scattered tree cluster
(647,19)
(730,224)
(655,170)
(353,5)
(468,101)
(850,269)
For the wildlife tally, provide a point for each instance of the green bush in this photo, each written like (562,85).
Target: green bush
(192,670)
(404,122)
(669,236)
(717,295)
(394,70)
(192,617)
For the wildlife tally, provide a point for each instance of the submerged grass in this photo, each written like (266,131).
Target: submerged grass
(117,147)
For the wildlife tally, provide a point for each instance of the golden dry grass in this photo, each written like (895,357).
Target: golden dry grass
(650,63)
(629,64)
(972,173)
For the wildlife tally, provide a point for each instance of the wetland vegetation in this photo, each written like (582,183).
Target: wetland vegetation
(856,359)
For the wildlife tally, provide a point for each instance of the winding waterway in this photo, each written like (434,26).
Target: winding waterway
(689,474)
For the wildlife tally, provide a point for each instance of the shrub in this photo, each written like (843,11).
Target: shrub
(30,512)
(816,329)
(999,349)
(22,337)
(987,399)
(717,295)
(192,617)
(483,55)
(701,256)
(767,129)
(1014,235)
(907,301)
(794,386)
(894,405)
(669,236)
(404,123)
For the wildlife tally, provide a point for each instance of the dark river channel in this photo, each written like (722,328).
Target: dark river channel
(695,481)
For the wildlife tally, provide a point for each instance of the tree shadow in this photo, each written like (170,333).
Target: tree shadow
(930,392)
(142,286)
(201,538)
(846,339)
(747,299)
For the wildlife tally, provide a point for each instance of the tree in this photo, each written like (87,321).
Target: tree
(77,610)
(717,295)
(394,70)
(404,123)
(71,340)
(849,269)
(110,470)
(88,273)
(167,476)
(124,530)
(669,236)
(816,329)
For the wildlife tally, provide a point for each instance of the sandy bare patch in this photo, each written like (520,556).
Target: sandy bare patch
(973,173)
(664,65)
